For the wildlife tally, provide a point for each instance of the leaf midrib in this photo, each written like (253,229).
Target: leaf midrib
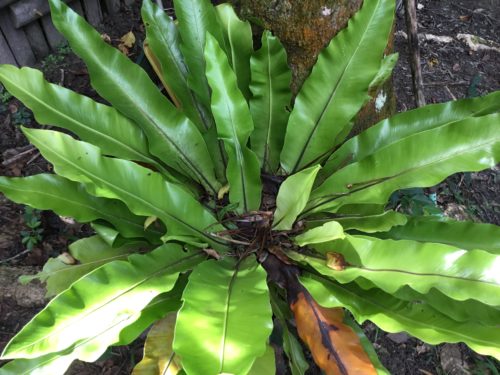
(159,212)
(334,91)
(222,353)
(332,273)
(406,171)
(410,322)
(80,343)
(94,63)
(102,215)
(107,302)
(182,69)
(79,124)
(270,107)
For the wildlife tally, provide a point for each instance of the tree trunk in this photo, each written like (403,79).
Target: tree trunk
(305,27)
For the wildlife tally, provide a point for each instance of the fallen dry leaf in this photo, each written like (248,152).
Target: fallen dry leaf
(106,38)
(127,41)
(335,261)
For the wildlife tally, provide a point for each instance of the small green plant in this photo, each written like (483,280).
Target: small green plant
(486,366)
(221,217)
(31,237)
(57,57)
(414,202)
(5,96)
(21,117)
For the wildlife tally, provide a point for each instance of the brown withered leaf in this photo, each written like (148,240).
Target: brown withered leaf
(106,38)
(335,347)
(336,261)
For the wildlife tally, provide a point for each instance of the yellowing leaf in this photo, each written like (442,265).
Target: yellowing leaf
(150,220)
(159,357)
(223,191)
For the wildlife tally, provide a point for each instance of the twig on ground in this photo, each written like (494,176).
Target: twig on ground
(61,81)
(33,158)
(449,92)
(14,257)
(443,83)
(18,157)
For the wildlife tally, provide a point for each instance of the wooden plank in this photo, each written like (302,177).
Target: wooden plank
(17,40)
(35,36)
(26,11)
(93,11)
(112,6)
(53,36)
(4,3)
(6,56)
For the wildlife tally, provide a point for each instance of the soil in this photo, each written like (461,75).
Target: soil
(451,71)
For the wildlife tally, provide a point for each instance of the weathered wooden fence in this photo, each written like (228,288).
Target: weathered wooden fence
(26,30)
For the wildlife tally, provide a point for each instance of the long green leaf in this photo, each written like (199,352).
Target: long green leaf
(159,307)
(101,303)
(142,190)
(394,315)
(265,364)
(420,160)
(464,234)
(390,265)
(68,198)
(113,238)
(406,124)
(238,39)
(57,363)
(337,87)
(234,126)
(172,136)
(461,311)
(91,121)
(292,197)
(196,18)
(164,40)
(50,364)
(91,253)
(226,318)
(270,86)
(327,232)
(365,223)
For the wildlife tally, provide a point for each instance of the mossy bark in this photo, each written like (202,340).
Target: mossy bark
(305,27)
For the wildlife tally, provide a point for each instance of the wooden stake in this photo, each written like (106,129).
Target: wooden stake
(414,51)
